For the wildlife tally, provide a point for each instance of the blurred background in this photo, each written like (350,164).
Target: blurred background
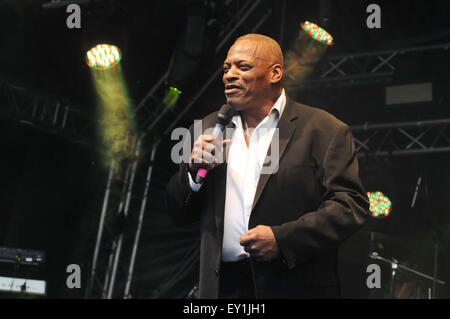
(86,139)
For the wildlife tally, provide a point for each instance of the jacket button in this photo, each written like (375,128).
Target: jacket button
(217,272)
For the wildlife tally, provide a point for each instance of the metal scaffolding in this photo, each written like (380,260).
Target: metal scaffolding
(402,138)
(117,219)
(360,68)
(47,113)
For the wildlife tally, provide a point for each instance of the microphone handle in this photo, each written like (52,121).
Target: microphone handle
(201,173)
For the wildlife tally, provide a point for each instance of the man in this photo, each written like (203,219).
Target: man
(270,235)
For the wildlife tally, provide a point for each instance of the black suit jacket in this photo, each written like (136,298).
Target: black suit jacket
(312,203)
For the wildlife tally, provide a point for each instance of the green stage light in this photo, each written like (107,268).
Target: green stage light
(380,204)
(171,97)
(103,56)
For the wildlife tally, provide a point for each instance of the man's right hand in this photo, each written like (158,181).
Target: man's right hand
(206,153)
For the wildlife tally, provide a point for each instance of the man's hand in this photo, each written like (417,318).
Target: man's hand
(260,242)
(206,153)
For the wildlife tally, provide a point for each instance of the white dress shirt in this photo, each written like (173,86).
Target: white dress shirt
(243,171)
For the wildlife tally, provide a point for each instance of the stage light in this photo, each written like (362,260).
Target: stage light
(188,53)
(116,127)
(304,54)
(317,32)
(171,97)
(103,56)
(380,204)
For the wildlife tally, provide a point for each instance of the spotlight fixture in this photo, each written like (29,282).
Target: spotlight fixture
(304,54)
(317,33)
(380,204)
(103,56)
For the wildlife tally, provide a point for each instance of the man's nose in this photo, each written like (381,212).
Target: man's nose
(230,76)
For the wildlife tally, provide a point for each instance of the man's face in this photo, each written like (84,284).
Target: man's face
(246,75)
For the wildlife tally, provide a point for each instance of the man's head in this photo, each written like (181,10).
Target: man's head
(253,72)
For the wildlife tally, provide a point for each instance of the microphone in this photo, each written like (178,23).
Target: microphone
(223,118)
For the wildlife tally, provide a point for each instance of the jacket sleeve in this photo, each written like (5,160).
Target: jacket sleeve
(343,210)
(182,202)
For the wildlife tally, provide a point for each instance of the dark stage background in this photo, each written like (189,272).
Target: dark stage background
(53,185)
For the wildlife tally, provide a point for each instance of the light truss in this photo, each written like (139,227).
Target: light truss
(360,68)
(121,212)
(47,113)
(402,138)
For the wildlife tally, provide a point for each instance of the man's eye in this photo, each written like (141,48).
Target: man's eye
(225,69)
(244,67)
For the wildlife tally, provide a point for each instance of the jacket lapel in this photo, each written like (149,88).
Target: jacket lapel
(285,131)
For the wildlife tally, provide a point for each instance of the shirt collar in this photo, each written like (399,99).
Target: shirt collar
(278,107)
(279,104)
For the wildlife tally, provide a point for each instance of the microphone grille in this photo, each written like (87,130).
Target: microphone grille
(225,114)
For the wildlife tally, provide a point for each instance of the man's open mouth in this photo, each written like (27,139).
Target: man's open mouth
(232,89)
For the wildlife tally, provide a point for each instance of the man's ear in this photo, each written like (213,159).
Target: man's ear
(277,74)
